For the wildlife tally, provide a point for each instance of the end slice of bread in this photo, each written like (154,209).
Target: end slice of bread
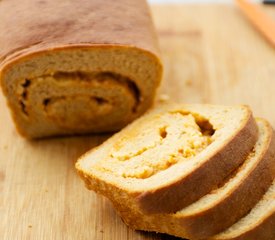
(165,160)
(259,224)
(222,207)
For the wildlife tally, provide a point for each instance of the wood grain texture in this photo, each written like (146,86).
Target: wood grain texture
(211,55)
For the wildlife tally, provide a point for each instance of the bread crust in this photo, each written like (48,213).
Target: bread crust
(187,190)
(52,26)
(264,231)
(240,201)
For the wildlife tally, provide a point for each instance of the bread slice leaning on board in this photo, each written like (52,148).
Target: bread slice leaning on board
(170,157)
(76,70)
(223,206)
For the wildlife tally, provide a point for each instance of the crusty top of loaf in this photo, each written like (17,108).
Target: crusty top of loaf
(29,26)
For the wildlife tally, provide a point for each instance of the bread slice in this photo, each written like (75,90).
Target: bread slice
(76,70)
(222,207)
(259,224)
(165,160)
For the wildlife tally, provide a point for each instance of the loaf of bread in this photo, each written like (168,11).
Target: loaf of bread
(222,207)
(170,157)
(74,67)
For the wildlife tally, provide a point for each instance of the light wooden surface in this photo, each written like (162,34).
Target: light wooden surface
(211,55)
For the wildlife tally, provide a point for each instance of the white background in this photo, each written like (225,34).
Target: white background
(195,1)
(189,1)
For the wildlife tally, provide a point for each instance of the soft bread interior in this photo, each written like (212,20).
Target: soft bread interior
(151,150)
(77,100)
(80,90)
(222,124)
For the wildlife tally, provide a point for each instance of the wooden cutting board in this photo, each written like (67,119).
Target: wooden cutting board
(211,55)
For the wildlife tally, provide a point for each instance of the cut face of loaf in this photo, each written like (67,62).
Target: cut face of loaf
(89,69)
(259,224)
(165,160)
(94,92)
(222,207)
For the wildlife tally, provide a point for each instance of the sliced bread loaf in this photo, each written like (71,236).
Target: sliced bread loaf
(259,224)
(170,157)
(222,207)
(75,70)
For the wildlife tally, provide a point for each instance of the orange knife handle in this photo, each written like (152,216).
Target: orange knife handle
(259,19)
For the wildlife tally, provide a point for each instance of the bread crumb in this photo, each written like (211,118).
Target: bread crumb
(189,82)
(164,98)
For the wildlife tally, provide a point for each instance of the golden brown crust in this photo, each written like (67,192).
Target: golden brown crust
(185,191)
(37,26)
(264,231)
(239,202)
